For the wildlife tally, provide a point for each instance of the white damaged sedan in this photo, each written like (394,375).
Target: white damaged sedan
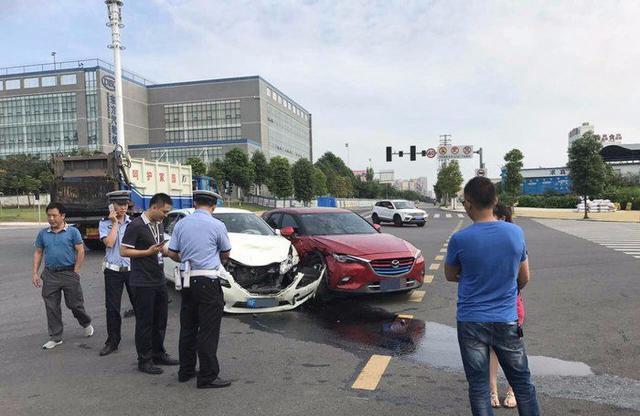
(264,272)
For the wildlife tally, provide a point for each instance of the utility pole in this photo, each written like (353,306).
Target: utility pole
(54,59)
(115,23)
(445,140)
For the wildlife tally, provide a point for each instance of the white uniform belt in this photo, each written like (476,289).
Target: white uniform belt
(115,267)
(214,274)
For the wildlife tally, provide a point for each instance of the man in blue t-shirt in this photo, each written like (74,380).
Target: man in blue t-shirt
(489,262)
(63,252)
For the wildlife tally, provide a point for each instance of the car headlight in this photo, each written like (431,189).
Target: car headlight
(291,260)
(345,258)
(418,255)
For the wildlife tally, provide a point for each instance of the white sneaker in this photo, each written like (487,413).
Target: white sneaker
(88,331)
(51,344)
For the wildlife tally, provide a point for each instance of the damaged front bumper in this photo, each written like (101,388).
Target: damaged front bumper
(305,282)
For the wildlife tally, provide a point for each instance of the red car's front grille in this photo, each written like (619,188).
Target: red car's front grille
(392,267)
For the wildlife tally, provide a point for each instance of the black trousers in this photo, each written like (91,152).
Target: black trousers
(200,317)
(114,282)
(151,321)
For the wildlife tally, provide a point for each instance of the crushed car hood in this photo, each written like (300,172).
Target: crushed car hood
(363,244)
(258,250)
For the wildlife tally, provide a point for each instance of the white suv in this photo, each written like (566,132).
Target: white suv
(399,212)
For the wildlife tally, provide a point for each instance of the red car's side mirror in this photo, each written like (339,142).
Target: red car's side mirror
(287,231)
(377,227)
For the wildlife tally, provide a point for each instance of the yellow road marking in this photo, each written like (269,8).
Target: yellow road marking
(372,373)
(439,258)
(434,266)
(404,316)
(443,250)
(417,296)
(428,278)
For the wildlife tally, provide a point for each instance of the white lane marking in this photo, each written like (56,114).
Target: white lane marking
(417,296)
(448,215)
(428,278)
(460,216)
(436,215)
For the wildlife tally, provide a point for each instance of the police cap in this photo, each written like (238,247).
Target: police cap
(206,195)
(119,196)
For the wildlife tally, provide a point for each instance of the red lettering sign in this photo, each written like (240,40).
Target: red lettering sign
(135,174)
(161,177)
(173,178)
(149,175)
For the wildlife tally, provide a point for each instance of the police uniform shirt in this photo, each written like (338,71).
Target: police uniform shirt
(112,254)
(199,238)
(141,234)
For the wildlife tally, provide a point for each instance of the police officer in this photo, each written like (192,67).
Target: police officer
(200,242)
(116,268)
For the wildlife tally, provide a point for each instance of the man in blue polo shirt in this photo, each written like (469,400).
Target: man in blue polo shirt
(489,262)
(63,252)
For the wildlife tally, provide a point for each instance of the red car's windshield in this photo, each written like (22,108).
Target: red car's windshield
(334,224)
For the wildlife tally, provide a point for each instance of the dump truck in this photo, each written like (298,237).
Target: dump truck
(81,182)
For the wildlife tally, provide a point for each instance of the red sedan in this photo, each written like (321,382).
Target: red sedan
(359,258)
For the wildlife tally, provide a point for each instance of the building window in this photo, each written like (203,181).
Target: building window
(202,121)
(48,81)
(31,82)
(268,92)
(12,84)
(68,79)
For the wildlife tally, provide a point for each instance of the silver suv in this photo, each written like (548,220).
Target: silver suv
(398,211)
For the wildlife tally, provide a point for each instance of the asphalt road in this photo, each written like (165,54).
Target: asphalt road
(582,336)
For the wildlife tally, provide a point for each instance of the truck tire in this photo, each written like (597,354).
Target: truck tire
(397,220)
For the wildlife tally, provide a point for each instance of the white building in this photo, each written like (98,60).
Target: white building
(606,139)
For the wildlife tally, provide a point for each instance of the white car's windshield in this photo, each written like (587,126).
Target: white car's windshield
(244,223)
(404,205)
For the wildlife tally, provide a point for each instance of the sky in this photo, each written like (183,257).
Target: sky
(492,74)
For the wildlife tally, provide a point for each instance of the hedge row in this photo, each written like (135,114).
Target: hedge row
(545,201)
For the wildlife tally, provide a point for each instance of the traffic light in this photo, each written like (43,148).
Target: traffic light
(400,153)
(388,153)
(412,153)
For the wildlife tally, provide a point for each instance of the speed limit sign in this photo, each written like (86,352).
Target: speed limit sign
(431,153)
(455,150)
(467,150)
(481,172)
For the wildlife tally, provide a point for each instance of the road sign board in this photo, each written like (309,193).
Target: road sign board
(481,172)
(455,152)
(431,153)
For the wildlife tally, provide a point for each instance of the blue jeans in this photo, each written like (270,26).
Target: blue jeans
(475,340)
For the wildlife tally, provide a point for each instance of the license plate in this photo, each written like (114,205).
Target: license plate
(92,232)
(256,303)
(391,283)
(419,218)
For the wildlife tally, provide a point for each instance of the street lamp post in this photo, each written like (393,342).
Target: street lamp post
(348,161)
(53,54)
(115,23)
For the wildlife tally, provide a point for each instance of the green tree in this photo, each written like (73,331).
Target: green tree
(302,172)
(279,180)
(343,187)
(334,168)
(238,169)
(587,169)
(512,175)
(319,182)
(216,171)
(449,181)
(369,175)
(261,168)
(198,167)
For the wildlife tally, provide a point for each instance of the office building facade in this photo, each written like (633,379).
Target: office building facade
(47,109)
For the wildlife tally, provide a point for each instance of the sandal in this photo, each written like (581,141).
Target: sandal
(510,400)
(495,401)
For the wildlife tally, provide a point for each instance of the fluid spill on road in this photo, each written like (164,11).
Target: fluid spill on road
(358,327)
